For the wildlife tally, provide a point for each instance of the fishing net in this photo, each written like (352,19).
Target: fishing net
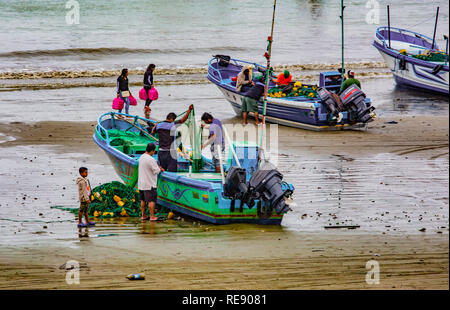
(193,137)
(296,90)
(436,57)
(116,199)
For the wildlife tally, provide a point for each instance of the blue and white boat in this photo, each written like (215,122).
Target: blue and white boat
(310,113)
(409,56)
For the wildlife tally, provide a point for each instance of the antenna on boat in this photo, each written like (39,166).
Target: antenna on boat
(435,26)
(342,34)
(268,54)
(389,26)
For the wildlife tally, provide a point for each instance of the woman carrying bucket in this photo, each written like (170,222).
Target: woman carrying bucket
(148,92)
(123,91)
(148,82)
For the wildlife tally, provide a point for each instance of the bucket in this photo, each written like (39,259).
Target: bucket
(117,104)
(153,94)
(143,94)
(133,100)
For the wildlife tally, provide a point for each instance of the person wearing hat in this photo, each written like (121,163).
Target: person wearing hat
(244,78)
(283,79)
(349,82)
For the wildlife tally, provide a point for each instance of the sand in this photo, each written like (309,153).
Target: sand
(189,255)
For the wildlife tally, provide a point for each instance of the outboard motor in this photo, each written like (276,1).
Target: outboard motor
(353,100)
(235,186)
(334,107)
(266,184)
(224,60)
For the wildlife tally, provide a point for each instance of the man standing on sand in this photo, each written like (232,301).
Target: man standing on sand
(147,181)
(250,101)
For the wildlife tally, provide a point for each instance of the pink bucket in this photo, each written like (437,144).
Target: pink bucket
(117,104)
(153,94)
(133,100)
(142,94)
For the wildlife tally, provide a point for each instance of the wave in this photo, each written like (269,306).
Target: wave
(111,51)
(74,83)
(177,71)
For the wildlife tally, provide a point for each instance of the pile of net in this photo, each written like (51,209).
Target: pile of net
(433,56)
(116,199)
(295,90)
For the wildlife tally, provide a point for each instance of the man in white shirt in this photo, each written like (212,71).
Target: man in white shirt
(147,181)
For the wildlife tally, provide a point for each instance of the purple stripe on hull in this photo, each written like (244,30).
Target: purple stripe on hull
(409,83)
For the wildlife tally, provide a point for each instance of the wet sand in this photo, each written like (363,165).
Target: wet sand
(300,254)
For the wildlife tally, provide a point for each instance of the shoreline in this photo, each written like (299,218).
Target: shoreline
(189,255)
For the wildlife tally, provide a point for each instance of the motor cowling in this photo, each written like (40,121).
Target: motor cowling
(353,99)
(266,183)
(330,103)
(235,183)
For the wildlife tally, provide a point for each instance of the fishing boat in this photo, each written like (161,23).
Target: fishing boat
(407,57)
(298,105)
(414,59)
(247,190)
(313,109)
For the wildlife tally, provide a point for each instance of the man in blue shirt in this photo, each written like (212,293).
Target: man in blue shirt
(166,130)
(215,138)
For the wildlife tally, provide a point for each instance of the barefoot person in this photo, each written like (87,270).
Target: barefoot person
(250,101)
(84,194)
(147,181)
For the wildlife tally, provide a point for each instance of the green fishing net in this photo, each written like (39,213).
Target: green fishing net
(116,199)
(299,90)
(436,57)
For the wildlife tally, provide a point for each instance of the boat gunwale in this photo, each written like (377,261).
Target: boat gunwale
(394,53)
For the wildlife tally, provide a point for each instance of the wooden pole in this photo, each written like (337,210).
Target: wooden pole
(435,26)
(268,55)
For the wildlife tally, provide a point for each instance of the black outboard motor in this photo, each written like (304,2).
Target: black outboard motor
(266,182)
(264,185)
(224,60)
(332,105)
(236,187)
(353,100)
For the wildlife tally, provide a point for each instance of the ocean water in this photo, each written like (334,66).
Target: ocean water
(181,33)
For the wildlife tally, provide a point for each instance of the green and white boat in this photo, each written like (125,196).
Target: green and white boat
(248,189)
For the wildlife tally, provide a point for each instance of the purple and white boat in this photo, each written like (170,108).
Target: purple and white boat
(413,58)
(312,113)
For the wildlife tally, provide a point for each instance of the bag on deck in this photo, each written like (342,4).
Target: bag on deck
(143,94)
(153,94)
(117,104)
(133,100)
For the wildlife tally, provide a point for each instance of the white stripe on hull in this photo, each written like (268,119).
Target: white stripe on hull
(410,75)
(236,99)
